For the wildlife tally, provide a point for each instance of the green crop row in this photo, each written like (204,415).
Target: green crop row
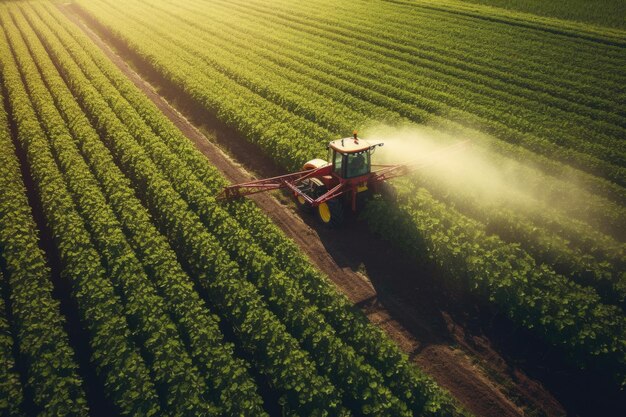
(231,387)
(11,394)
(42,343)
(416,50)
(473,41)
(183,390)
(569,252)
(603,13)
(431,65)
(125,372)
(548,25)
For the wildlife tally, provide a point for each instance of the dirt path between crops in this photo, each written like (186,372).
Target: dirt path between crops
(392,291)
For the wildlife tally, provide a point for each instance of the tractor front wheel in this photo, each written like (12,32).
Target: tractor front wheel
(331,213)
(302,204)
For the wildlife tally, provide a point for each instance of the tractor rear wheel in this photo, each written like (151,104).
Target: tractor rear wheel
(331,213)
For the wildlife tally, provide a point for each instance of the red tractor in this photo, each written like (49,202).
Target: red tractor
(330,187)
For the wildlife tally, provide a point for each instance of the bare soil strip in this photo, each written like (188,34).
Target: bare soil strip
(372,274)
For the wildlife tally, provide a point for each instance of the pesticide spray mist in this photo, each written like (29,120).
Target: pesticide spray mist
(473,172)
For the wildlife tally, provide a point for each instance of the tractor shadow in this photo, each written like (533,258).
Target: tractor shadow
(410,292)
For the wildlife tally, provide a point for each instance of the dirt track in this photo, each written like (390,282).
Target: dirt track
(394,293)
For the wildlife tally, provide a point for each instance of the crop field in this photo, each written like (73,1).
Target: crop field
(129,288)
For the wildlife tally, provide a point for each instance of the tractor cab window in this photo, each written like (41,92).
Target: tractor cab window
(358,164)
(338,163)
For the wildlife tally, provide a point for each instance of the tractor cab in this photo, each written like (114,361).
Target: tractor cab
(351,157)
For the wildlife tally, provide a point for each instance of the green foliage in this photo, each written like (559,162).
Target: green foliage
(11,395)
(130,201)
(42,343)
(565,314)
(233,388)
(124,371)
(171,366)
(602,13)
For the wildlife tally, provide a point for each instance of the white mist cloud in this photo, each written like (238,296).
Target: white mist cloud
(469,170)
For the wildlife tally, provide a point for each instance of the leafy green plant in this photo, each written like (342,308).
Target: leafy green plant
(125,372)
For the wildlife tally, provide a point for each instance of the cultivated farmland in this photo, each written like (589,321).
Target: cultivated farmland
(130,288)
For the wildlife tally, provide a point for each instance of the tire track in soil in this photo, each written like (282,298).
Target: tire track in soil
(363,266)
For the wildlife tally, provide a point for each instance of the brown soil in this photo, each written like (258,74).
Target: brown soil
(427,321)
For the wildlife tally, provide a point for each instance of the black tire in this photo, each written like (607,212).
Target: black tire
(335,216)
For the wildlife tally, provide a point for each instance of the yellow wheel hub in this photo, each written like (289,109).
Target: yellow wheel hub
(301,199)
(324,212)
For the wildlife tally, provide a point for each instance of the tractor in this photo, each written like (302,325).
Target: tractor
(330,187)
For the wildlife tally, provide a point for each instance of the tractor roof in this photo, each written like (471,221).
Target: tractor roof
(349,145)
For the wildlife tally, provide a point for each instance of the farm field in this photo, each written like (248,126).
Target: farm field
(128,288)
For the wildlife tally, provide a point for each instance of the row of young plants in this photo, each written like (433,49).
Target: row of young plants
(231,386)
(599,205)
(367,390)
(181,388)
(569,252)
(356,331)
(602,35)
(114,354)
(11,393)
(470,38)
(47,360)
(467,75)
(181,55)
(566,288)
(261,121)
(565,314)
(473,41)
